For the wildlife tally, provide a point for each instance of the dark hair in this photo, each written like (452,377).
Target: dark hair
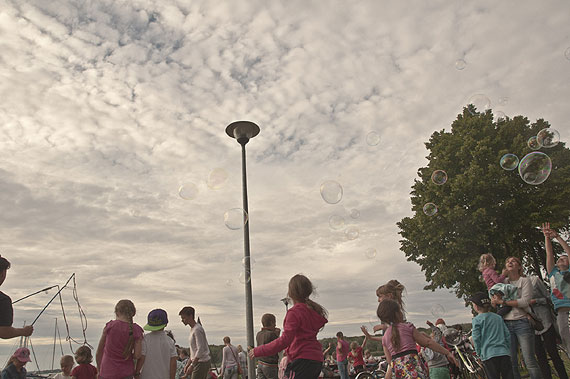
(268,320)
(389,312)
(300,288)
(4,264)
(339,334)
(394,289)
(127,308)
(227,339)
(83,355)
(187,311)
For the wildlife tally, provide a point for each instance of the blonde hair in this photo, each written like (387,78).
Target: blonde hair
(487,260)
(394,290)
(127,308)
(66,360)
(300,288)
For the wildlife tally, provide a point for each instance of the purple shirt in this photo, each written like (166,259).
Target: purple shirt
(343,352)
(113,364)
(491,277)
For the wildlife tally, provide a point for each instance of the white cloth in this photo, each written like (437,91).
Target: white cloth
(158,349)
(229,355)
(199,344)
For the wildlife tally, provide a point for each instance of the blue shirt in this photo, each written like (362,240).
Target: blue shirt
(560,289)
(491,336)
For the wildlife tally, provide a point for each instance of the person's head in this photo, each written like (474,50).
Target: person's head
(4,266)
(389,312)
(227,340)
(183,354)
(157,320)
(562,262)
(339,335)
(367,353)
(20,357)
(392,290)
(125,308)
(66,364)
(187,315)
(487,261)
(240,349)
(514,266)
(440,321)
(481,302)
(353,346)
(83,355)
(300,288)
(268,320)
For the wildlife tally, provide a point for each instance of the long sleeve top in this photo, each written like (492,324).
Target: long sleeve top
(523,300)
(491,277)
(229,355)
(491,336)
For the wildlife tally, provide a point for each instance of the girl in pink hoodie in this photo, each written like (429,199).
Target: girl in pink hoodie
(300,327)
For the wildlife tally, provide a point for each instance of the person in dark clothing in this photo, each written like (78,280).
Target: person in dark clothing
(268,367)
(6,310)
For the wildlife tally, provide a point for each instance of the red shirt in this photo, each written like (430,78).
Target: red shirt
(357,357)
(299,335)
(84,371)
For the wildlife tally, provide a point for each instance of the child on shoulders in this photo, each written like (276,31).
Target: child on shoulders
(495,283)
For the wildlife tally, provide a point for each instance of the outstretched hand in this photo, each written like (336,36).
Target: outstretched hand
(365,331)
(250,352)
(547,231)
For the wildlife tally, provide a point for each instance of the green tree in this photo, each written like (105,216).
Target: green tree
(483,208)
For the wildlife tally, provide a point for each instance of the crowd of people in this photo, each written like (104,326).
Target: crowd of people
(515,313)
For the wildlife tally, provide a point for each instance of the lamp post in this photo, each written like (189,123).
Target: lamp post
(243,131)
(285,301)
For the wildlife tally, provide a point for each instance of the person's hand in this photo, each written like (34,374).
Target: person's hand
(27,330)
(452,360)
(504,272)
(379,327)
(250,352)
(429,322)
(331,344)
(365,331)
(548,233)
(496,300)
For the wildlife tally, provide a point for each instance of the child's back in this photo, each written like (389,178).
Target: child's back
(490,335)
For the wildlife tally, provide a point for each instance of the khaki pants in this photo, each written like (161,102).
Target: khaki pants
(201,370)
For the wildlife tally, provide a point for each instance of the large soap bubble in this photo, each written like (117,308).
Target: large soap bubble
(439,177)
(480,102)
(533,143)
(430,209)
(535,168)
(188,191)
(437,310)
(235,218)
(509,162)
(331,192)
(548,137)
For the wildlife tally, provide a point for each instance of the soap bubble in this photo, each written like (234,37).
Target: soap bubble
(535,168)
(480,102)
(372,138)
(430,209)
(452,336)
(460,64)
(500,116)
(439,177)
(331,192)
(336,222)
(503,100)
(567,53)
(217,178)
(355,213)
(437,310)
(370,253)
(229,282)
(235,218)
(352,233)
(548,137)
(533,143)
(244,260)
(188,191)
(509,162)
(244,277)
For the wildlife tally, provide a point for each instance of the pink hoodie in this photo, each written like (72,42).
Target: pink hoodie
(299,335)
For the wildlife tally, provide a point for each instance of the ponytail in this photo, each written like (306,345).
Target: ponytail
(317,307)
(395,337)
(128,351)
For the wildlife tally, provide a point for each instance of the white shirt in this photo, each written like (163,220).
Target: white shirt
(199,344)
(158,349)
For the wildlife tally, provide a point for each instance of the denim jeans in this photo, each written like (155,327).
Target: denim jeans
(343,369)
(523,334)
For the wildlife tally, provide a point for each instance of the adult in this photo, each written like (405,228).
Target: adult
(268,367)
(198,366)
(242,360)
(158,360)
(342,350)
(516,320)
(230,360)
(558,276)
(6,310)
(15,368)
(545,339)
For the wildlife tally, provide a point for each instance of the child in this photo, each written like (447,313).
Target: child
(66,364)
(120,343)
(436,363)
(85,370)
(300,327)
(356,357)
(495,284)
(15,368)
(268,367)
(399,343)
(491,338)
(158,349)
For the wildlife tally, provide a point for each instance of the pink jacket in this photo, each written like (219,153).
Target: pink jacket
(299,335)
(491,277)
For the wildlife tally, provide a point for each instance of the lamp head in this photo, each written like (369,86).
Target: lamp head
(242,131)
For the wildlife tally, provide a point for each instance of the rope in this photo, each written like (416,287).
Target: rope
(33,353)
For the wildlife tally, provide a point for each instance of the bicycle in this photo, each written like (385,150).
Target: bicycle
(374,371)
(470,364)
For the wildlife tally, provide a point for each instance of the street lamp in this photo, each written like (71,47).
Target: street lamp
(243,131)
(286,301)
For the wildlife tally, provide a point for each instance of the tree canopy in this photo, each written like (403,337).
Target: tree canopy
(483,208)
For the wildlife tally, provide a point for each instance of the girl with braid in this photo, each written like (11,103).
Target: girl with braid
(120,344)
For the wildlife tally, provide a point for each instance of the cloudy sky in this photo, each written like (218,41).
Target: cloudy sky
(109,107)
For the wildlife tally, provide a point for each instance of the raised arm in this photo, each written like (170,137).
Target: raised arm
(548,246)
(11,332)
(364,342)
(561,242)
(426,341)
(368,335)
